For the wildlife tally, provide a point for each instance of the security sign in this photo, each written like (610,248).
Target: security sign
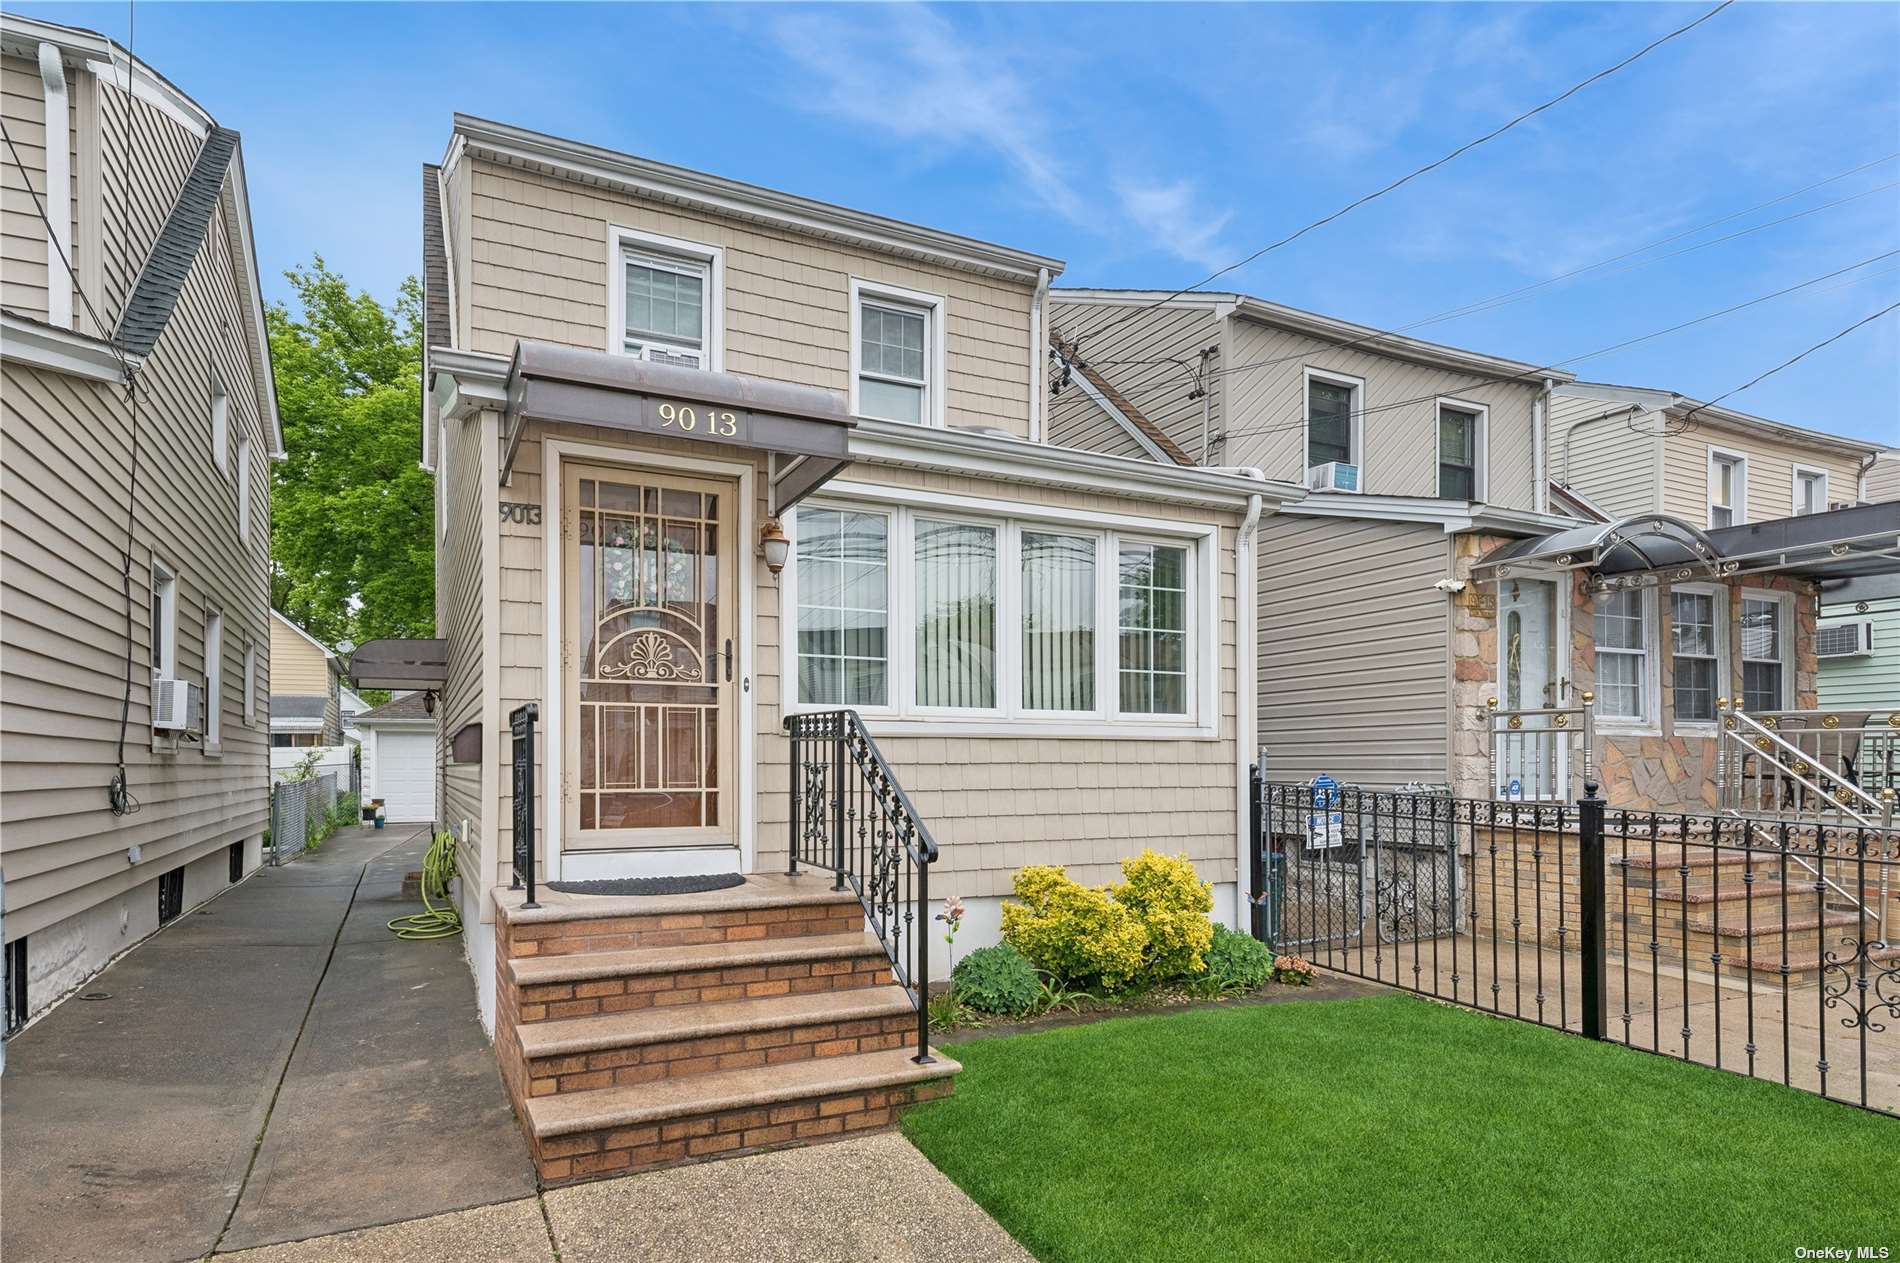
(1325,826)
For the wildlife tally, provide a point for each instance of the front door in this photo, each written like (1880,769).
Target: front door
(651,713)
(1530,756)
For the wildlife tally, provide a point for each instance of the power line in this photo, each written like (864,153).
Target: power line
(1755,381)
(1433,166)
(52,242)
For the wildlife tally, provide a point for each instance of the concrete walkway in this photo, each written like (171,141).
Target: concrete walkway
(272,1067)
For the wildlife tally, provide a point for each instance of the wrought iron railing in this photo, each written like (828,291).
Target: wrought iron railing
(521,729)
(1708,938)
(1542,753)
(852,819)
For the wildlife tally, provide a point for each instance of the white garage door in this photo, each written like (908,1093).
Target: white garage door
(405,774)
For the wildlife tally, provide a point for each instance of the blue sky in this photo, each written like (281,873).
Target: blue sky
(1149,145)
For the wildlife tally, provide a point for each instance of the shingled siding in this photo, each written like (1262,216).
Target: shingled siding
(538,269)
(65,459)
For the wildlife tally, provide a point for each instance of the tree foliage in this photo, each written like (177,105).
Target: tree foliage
(353,550)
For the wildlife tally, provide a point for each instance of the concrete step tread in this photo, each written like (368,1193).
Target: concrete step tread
(639,1027)
(758,891)
(1764,963)
(1668,858)
(1766,923)
(693,1095)
(528,971)
(1738,891)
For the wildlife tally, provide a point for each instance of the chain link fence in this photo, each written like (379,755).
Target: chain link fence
(297,811)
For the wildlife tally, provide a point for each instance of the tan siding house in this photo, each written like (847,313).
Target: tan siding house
(305,688)
(94,839)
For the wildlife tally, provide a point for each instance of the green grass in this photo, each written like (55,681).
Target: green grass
(1390,1128)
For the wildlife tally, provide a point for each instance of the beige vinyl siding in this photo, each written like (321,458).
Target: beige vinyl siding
(461,615)
(1267,408)
(1883,480)
(1354,650)
(1607,451)
(65,459)
(538,268)
(23,245)
(1771,462)
(1076,420)
(297,666)
(136,203)
(993,804)
(1160,391)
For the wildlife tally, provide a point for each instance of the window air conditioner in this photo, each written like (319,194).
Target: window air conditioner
(1334,475)
(177,705)
(1842,504)
(660,353)
(1844,640)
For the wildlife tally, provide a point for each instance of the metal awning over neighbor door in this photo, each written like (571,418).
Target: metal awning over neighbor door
(804,431)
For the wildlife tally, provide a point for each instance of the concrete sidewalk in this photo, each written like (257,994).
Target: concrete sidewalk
(281,1021)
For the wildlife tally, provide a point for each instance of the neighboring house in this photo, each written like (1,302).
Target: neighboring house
(350,704)
(638,376)
(1858,650)
(1883,478)
(1634,450)
(134,647)
(306,694)
(399,758)
(1440,564)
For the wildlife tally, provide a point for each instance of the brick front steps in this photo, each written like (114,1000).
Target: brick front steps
(640,1032)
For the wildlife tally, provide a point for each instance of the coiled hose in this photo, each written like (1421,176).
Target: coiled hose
(438,869)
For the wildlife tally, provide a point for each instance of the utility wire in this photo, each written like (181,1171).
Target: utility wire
(119,791)
(1431,166)
(1755,381)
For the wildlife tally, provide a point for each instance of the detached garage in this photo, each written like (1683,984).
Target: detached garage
(399,758)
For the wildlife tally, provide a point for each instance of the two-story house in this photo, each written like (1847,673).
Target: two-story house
(137,417)
(1431,611)
(747,496)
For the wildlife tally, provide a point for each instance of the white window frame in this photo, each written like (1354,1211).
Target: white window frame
(244,490)
(250,681)
(1647,724)
(214,679)
(1739,510)
(1784,613)
(622,241)
(162,636)
(935,309)
(1719,595)
(1356,427)
(1480,440)
(220,424)
(1794,493)
(1010,718)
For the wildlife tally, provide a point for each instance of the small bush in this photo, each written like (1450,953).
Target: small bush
(1172,904)
(996,980)
(1237,962)
(1078,933)
(1295,971)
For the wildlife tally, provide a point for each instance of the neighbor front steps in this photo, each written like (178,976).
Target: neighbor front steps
(636,1033)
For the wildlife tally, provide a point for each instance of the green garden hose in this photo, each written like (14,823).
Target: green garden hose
(438,869)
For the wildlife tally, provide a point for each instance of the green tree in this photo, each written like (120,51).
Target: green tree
(353,550)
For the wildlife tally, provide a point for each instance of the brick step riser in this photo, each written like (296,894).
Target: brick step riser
(542,1002)
(583,1072)
(724,1134)
(683,929)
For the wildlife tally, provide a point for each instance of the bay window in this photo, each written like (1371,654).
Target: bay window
(1694,651)
(1764,653)
(843,608)
(1058,622)
(955,577)
(1153,629)
(1622,640)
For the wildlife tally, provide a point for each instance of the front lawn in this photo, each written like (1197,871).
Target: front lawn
(1394,1128)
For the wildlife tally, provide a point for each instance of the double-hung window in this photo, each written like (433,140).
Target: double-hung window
(1728,489)
(1810,491)
(220,423)
(896,353)
(1622,637)
(1459,430)
(1764,653)
(1695,654)
(666,303)
(214,677)
(164,624)
(250,682)
(1330,404)
(244,491)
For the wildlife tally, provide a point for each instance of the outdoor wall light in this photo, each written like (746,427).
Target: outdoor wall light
(775,545)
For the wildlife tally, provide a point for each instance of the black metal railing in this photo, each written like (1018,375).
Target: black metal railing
(852,819)
(521,727)
(1760,947)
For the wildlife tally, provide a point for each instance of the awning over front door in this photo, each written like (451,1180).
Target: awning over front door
(804,430)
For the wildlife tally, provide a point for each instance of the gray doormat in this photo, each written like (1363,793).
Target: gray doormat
(650,885)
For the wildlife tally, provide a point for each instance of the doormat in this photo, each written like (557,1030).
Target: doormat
(650,885)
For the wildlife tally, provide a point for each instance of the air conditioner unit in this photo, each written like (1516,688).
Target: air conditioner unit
(1334,475)
(660,353)
(1843,504)
(177,705)
(1844,640)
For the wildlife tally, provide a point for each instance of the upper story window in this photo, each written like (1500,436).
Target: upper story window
(1728,488)
(164,625)
(896,353)
(220,424)
(244,490)
(214,676)
(1622,638)
(1810,491)
(667,302)
(1765,643)
(1332,423)
(1460,443)
(250,682)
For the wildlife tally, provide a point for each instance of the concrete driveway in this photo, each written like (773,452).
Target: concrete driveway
(272,1067)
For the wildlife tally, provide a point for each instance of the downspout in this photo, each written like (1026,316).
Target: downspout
(1038,356)
(1860,477)
(1540,448)
(59,190)
(1572,431)
(1247,699)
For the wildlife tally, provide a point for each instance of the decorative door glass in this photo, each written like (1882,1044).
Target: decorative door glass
(1529,756)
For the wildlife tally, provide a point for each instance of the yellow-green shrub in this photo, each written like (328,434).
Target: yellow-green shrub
(1076,932)
(1172,904)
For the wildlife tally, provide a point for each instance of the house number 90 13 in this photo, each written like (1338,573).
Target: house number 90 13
(688,418)
(517,511)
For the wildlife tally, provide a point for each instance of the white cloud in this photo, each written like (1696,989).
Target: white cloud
(1174,214)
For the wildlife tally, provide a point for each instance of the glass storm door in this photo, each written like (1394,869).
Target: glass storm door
(1529,760)
(650,716)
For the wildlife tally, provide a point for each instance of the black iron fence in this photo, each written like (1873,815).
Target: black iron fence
(521,728)
(852,819)
(1762,947)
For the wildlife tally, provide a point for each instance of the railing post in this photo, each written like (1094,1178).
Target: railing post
(920,943)
(1590,861)
(1256,859)
(794,747)
(837,805)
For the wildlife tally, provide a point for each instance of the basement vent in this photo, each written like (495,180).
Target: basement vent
(236,852)
(16,984)
(171,895)
(1844,640)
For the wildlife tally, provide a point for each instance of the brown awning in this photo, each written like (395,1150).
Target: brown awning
(400,664)
(805,430)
